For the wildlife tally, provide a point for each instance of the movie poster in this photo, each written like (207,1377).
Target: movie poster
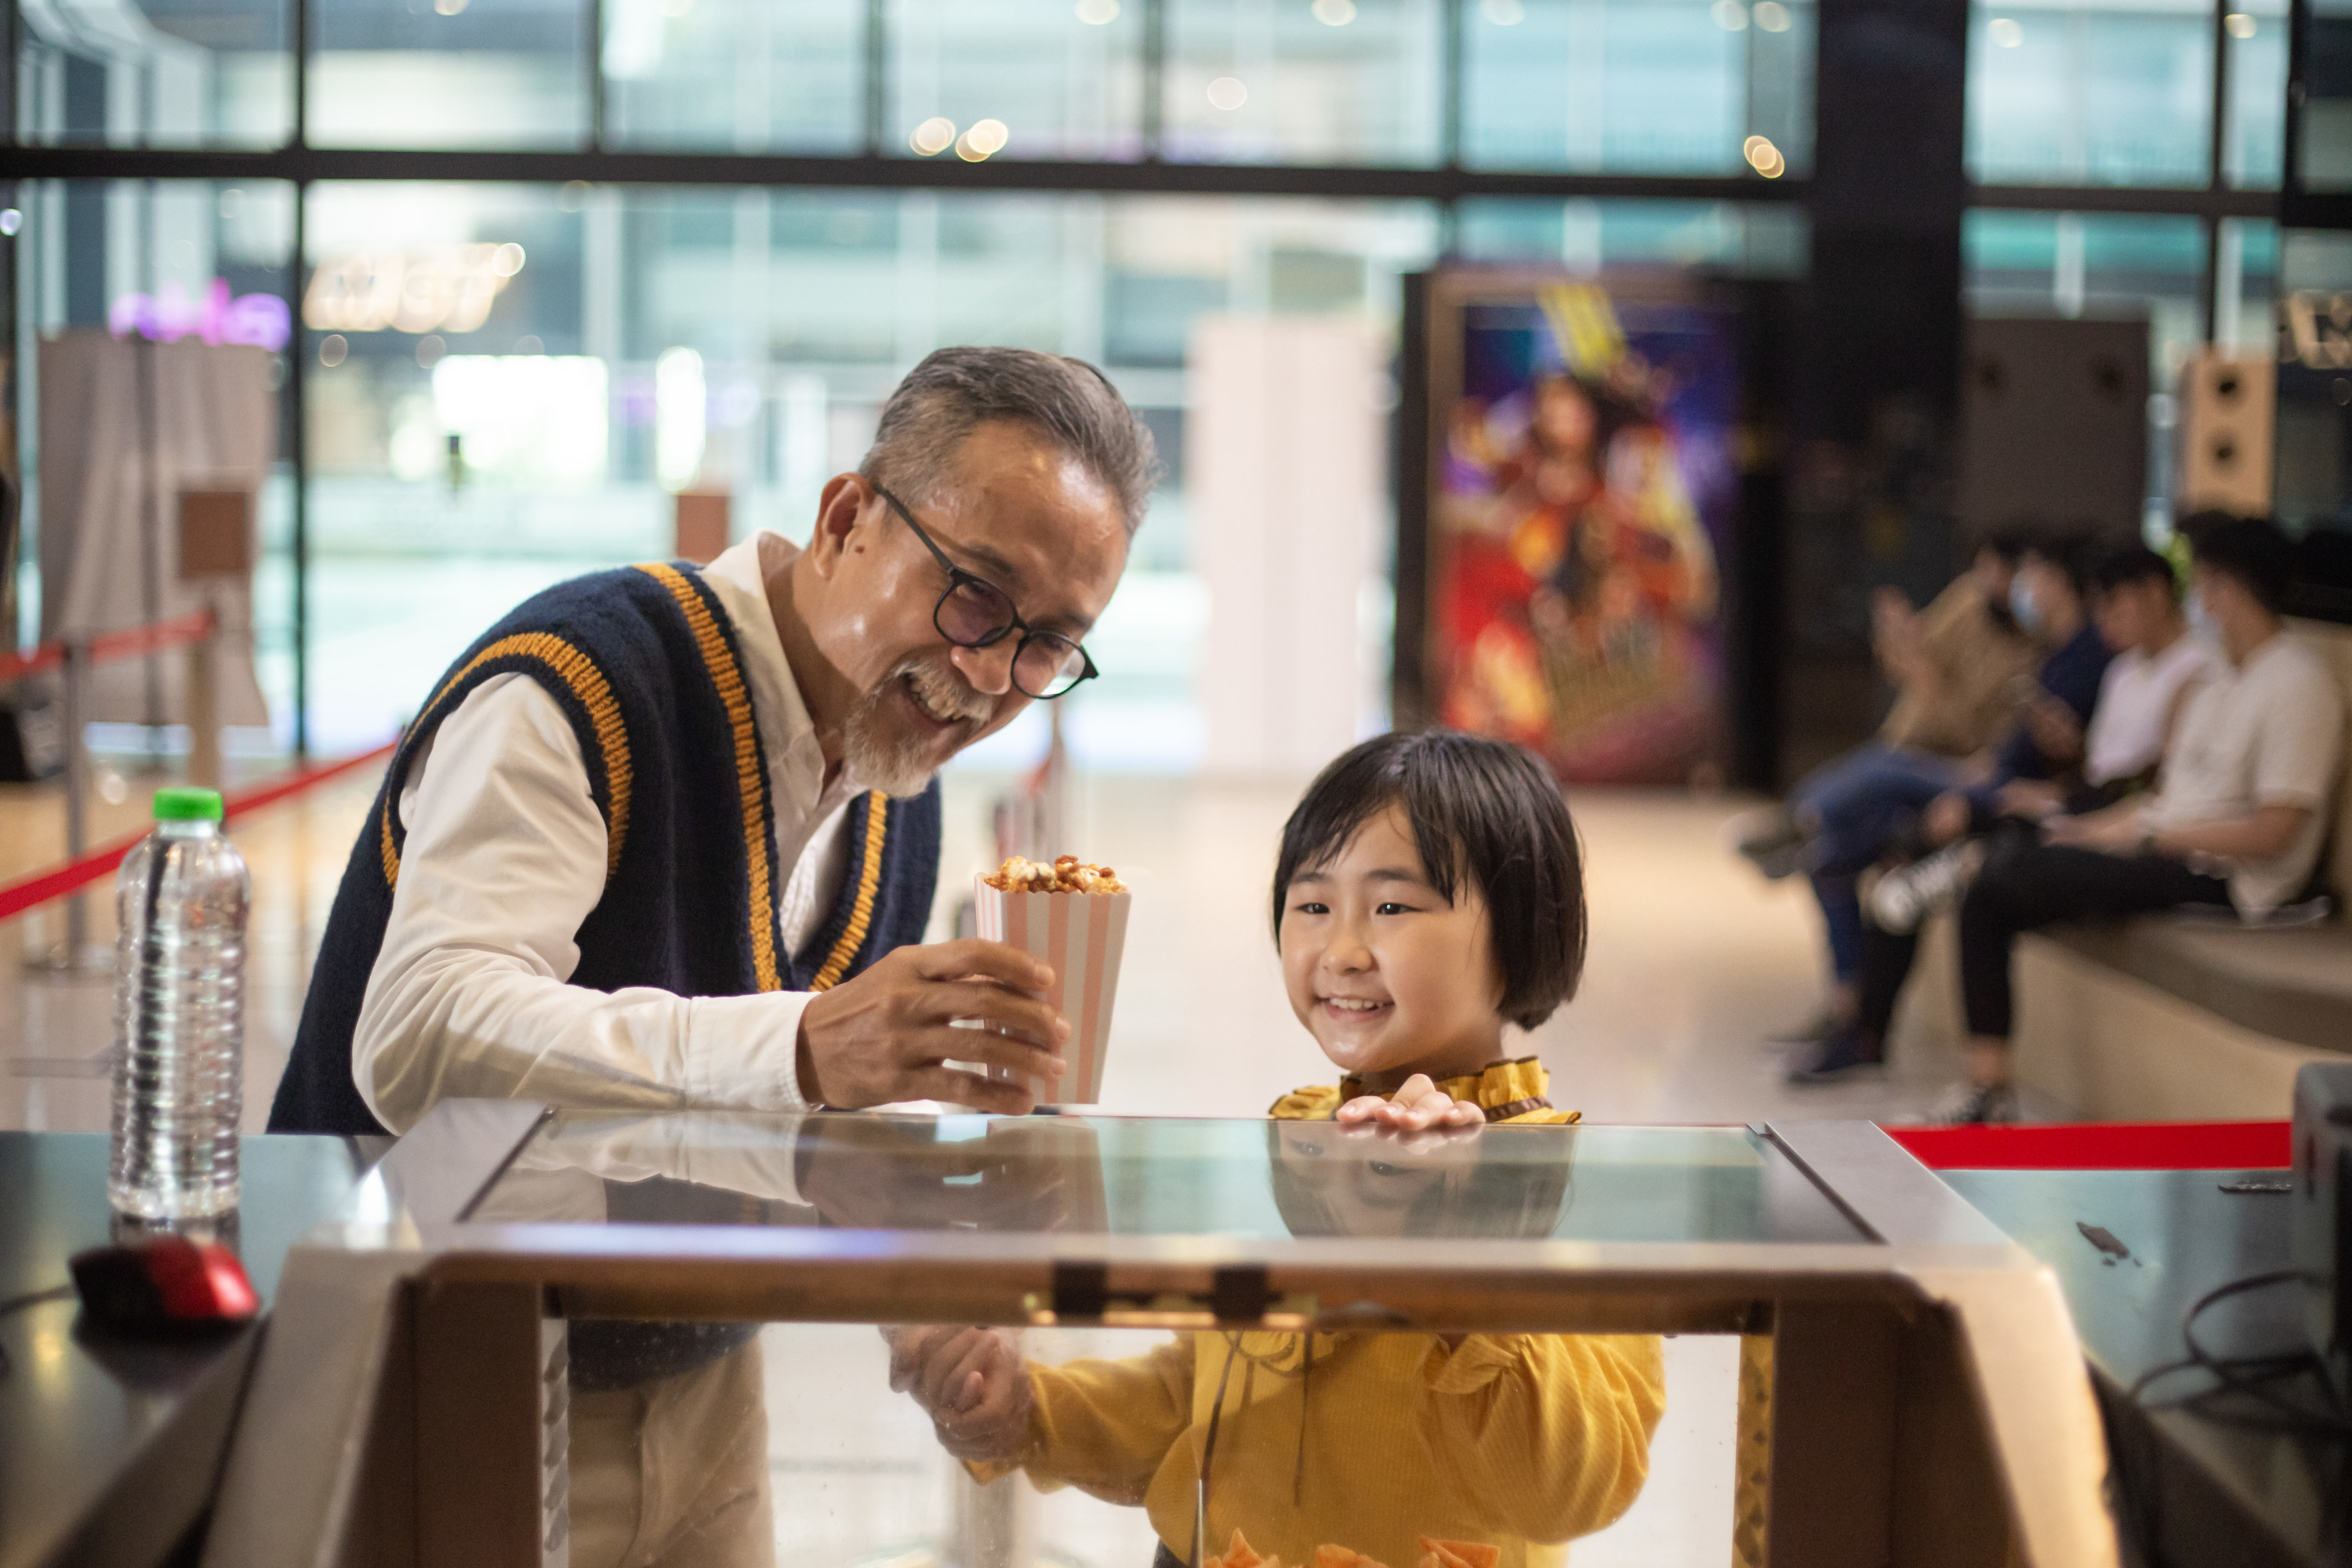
(1583,494)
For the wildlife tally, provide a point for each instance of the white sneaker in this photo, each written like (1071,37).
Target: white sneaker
(1967,1104)
(1903,898)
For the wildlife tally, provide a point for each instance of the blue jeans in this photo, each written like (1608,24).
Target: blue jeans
(1862,802)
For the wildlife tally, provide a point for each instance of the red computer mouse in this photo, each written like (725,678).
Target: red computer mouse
(167,1284)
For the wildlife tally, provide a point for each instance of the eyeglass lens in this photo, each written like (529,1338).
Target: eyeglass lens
(977,614)
(1047,665)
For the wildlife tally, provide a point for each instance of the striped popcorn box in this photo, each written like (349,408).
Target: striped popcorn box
(1081,935)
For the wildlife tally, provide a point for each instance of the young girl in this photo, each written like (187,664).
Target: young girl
(1428,892)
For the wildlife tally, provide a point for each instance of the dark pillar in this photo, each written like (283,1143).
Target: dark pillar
(1877,354)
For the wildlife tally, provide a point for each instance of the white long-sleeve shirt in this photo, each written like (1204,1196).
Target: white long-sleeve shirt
(504,860)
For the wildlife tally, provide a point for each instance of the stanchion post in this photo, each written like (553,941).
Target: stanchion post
(76,957)
(77,700)
(203,709)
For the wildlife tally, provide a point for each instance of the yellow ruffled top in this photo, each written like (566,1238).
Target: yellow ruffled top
(1514,1091)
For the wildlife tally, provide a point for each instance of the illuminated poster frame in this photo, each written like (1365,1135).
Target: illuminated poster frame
(1569,501)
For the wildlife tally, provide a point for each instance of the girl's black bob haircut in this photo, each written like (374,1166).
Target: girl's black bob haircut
(1481,812)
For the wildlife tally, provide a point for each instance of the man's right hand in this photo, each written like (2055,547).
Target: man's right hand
(885,1034)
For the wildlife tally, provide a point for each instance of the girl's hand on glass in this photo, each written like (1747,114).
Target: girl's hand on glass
(1418,1106)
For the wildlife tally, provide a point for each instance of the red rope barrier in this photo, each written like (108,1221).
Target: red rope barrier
(133,642)
(17,896)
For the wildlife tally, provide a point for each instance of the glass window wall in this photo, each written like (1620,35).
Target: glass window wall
(155,73)
(1029,78)
(1338,81)
(449,73)
(2085,92)
(1681,87)
(735,76)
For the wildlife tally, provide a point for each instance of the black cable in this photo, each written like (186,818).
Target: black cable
(18,1303)
(2249,1377)
(15,1304)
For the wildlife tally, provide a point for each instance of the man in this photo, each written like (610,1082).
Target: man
(1956,666)
(2134,613)
(2237,820)
(669,836)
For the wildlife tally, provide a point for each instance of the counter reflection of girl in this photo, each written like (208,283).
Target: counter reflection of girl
(1391,872)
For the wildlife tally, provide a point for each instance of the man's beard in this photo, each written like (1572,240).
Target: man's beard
(882,755)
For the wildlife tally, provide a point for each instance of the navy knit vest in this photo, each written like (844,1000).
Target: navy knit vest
(645,663)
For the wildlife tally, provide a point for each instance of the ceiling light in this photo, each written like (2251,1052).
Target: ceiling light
(507,260)
(934,136)
(1097,13)
(1227,92)
(2004,32)
(1771,16)
(2240,25)
(1765,158)
(1334,13)
(1503,13)
(985,137)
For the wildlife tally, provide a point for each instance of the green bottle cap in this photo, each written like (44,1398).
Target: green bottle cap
(187,806)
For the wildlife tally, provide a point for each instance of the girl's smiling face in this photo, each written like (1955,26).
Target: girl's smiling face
(1389,976)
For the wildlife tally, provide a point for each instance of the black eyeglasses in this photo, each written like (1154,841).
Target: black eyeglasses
(976,613)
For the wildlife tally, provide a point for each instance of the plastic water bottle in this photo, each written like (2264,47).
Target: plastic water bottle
(179,1015)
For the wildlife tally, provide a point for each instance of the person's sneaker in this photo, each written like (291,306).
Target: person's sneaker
(1842,1056)
(1773,840)
(1903,898)
(1967,1104)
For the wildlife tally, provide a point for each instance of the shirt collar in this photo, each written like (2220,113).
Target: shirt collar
(740,579)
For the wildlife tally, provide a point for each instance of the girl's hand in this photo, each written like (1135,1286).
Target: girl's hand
(1417,1107)
(971,1384)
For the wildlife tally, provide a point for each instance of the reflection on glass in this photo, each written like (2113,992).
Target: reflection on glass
(1249,81)
(735,76)
(162,73)
(1139,1176)
(1026,79)
(2064,92)
(704,1443)
(1608,86)
(448,73)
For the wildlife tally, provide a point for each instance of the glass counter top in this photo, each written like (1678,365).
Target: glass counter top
(1256,1180)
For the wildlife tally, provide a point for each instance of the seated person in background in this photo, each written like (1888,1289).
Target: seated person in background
(2135,611)
(2237,819)
(1956,666)
(1429,891)
(2136,603)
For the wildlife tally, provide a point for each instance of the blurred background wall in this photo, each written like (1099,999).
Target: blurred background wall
(527,268)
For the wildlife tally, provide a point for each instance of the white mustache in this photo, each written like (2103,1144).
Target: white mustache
(944,692)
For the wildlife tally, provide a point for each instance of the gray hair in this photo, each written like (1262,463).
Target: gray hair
(1067,401)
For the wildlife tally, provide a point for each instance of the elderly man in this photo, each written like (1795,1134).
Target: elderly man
(669,836)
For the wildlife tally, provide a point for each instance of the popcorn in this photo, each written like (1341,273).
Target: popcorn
(1081,938)
(1067,874)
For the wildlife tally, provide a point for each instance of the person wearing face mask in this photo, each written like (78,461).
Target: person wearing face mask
(2236,820)
(2049,600)
(667,836)
(1957,667)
